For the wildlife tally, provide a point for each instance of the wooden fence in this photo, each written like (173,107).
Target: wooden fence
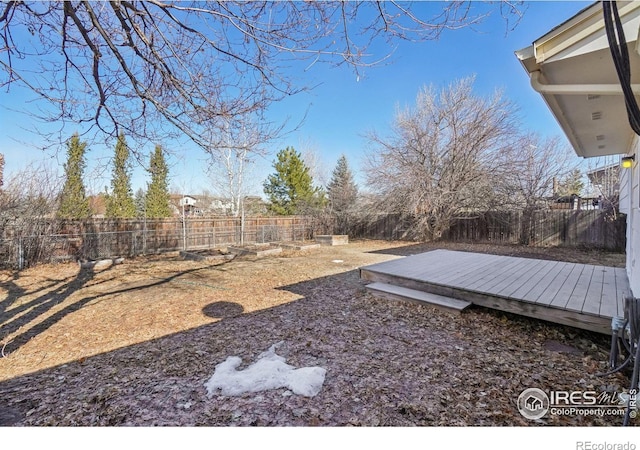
(63,240)
(591,228)
(594,228)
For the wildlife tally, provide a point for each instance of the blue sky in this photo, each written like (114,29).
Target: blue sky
(343,107)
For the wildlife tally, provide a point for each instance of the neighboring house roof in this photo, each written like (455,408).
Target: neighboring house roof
(606,179)
(572,68)
(187,201)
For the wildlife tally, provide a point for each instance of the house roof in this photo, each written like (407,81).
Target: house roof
(572,68)
(604,169)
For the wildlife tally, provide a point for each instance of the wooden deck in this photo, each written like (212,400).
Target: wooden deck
(580,295)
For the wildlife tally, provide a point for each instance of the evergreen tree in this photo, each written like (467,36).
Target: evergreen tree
(571,184)
(157,199)
(290,188)
(73,201)
(140,203)
(342,190)
(120,202)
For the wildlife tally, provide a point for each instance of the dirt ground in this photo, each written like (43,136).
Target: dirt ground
(134,343)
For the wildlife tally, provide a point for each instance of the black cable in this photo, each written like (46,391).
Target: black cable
(620,55)
(634,385)
(622,343)
(616,369)
(613,352)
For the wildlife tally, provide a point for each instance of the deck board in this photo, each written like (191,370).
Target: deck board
(507,276)
(577,298)
(561,298)
(593,297)
(545,296)
(581,295)
(525,278)
(609,291)
(460,274)
(494,275)
(488,267)
(537,283)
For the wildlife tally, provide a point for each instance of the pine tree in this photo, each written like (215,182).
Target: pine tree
(120,202)
(157,199)
(290,188)
(140,203)
(73,201)
(571,184)
(342,190)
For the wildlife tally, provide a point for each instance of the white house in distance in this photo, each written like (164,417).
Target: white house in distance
(573,69)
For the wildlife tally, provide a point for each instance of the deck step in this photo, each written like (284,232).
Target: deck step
(394,292)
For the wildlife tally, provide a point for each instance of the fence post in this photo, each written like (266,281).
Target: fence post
(184,230)
(20,254)
(242,227)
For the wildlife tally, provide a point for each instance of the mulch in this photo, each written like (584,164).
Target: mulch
(133,344)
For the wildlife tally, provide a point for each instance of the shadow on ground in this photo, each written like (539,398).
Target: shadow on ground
(13,320)
(388,364)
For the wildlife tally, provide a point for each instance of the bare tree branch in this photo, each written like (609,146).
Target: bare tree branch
(442,156)
(155,69)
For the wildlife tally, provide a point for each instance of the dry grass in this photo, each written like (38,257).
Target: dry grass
(134,344)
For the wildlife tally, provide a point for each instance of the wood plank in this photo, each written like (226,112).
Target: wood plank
(498,273)
(402,293)
(461,273)
(593,298)
(370,275)
(452,267)
(562,296)
(578,296)
(507,276)
(480,272)
(416,265)
(547,290)
(534,310)
(535,277)
(425,266)
(609,304)
(553,280)
(516,279)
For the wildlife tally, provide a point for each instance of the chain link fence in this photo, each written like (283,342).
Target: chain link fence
(93,240)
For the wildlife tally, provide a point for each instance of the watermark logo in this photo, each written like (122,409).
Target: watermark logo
(533,403)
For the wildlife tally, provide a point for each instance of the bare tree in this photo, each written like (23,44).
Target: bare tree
(313,160)
(441,156)
(233,157)
(531,166)
(134,67)
(28,202)
(32,192)
(1,170)
(604,180)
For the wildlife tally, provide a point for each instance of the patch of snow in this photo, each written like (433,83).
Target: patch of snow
(270,371)
(337,261)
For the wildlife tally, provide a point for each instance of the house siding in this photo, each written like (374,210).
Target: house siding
(625,203)
(630,205)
